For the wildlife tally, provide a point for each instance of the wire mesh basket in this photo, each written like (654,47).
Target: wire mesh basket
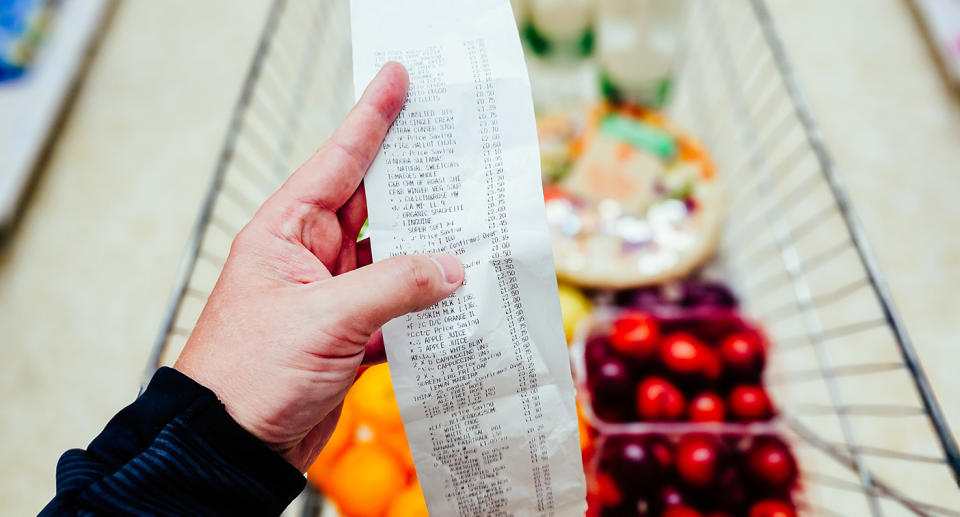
(862,416)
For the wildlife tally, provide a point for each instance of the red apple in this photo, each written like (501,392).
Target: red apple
(772,508)
(662,450)
(697,460)
(670,496)
(635,334)
(610,374)
(611,386)
(707,407)
(683,354)
(606,490)
(597,350)
(743,352)
(681,511)
(771,462)
(730,489)
(749,402)
(629,460)
(711,366)
(657,399)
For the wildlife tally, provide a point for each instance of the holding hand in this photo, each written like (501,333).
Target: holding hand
(298,307)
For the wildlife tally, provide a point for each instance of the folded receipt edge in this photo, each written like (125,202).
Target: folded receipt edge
(541,471)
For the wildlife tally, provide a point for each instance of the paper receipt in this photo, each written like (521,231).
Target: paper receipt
(482,378)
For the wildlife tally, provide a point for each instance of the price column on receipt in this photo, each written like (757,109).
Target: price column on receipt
(482,378)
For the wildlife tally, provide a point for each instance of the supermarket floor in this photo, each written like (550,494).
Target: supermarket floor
(84,279)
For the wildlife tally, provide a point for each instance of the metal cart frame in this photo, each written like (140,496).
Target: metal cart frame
(738,91)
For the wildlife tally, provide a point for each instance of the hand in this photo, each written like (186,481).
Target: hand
(296,309)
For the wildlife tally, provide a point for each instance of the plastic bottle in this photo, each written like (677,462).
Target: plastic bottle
(637,46)
(561,27)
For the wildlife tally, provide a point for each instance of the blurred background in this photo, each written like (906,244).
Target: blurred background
(107,164)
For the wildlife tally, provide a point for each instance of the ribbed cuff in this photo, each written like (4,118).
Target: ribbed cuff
(172,394)
(134,428)
(215,426)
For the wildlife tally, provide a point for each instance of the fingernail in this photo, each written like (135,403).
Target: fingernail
(450,266)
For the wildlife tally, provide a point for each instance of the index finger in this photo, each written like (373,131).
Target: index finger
(334,172)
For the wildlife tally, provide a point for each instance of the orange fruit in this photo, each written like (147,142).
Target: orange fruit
(409,503)
(396,441)
(372,397)
(341,438)
(584,434)
(584,430)
(365,480)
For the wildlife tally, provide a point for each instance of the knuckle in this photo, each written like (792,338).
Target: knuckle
(419,275)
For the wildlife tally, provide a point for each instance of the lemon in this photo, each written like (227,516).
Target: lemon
(574,307)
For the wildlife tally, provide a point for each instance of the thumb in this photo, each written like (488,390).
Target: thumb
(375,294)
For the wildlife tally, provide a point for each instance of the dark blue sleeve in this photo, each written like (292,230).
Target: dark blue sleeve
(174,451)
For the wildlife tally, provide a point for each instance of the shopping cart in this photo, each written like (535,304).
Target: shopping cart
(856,405)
